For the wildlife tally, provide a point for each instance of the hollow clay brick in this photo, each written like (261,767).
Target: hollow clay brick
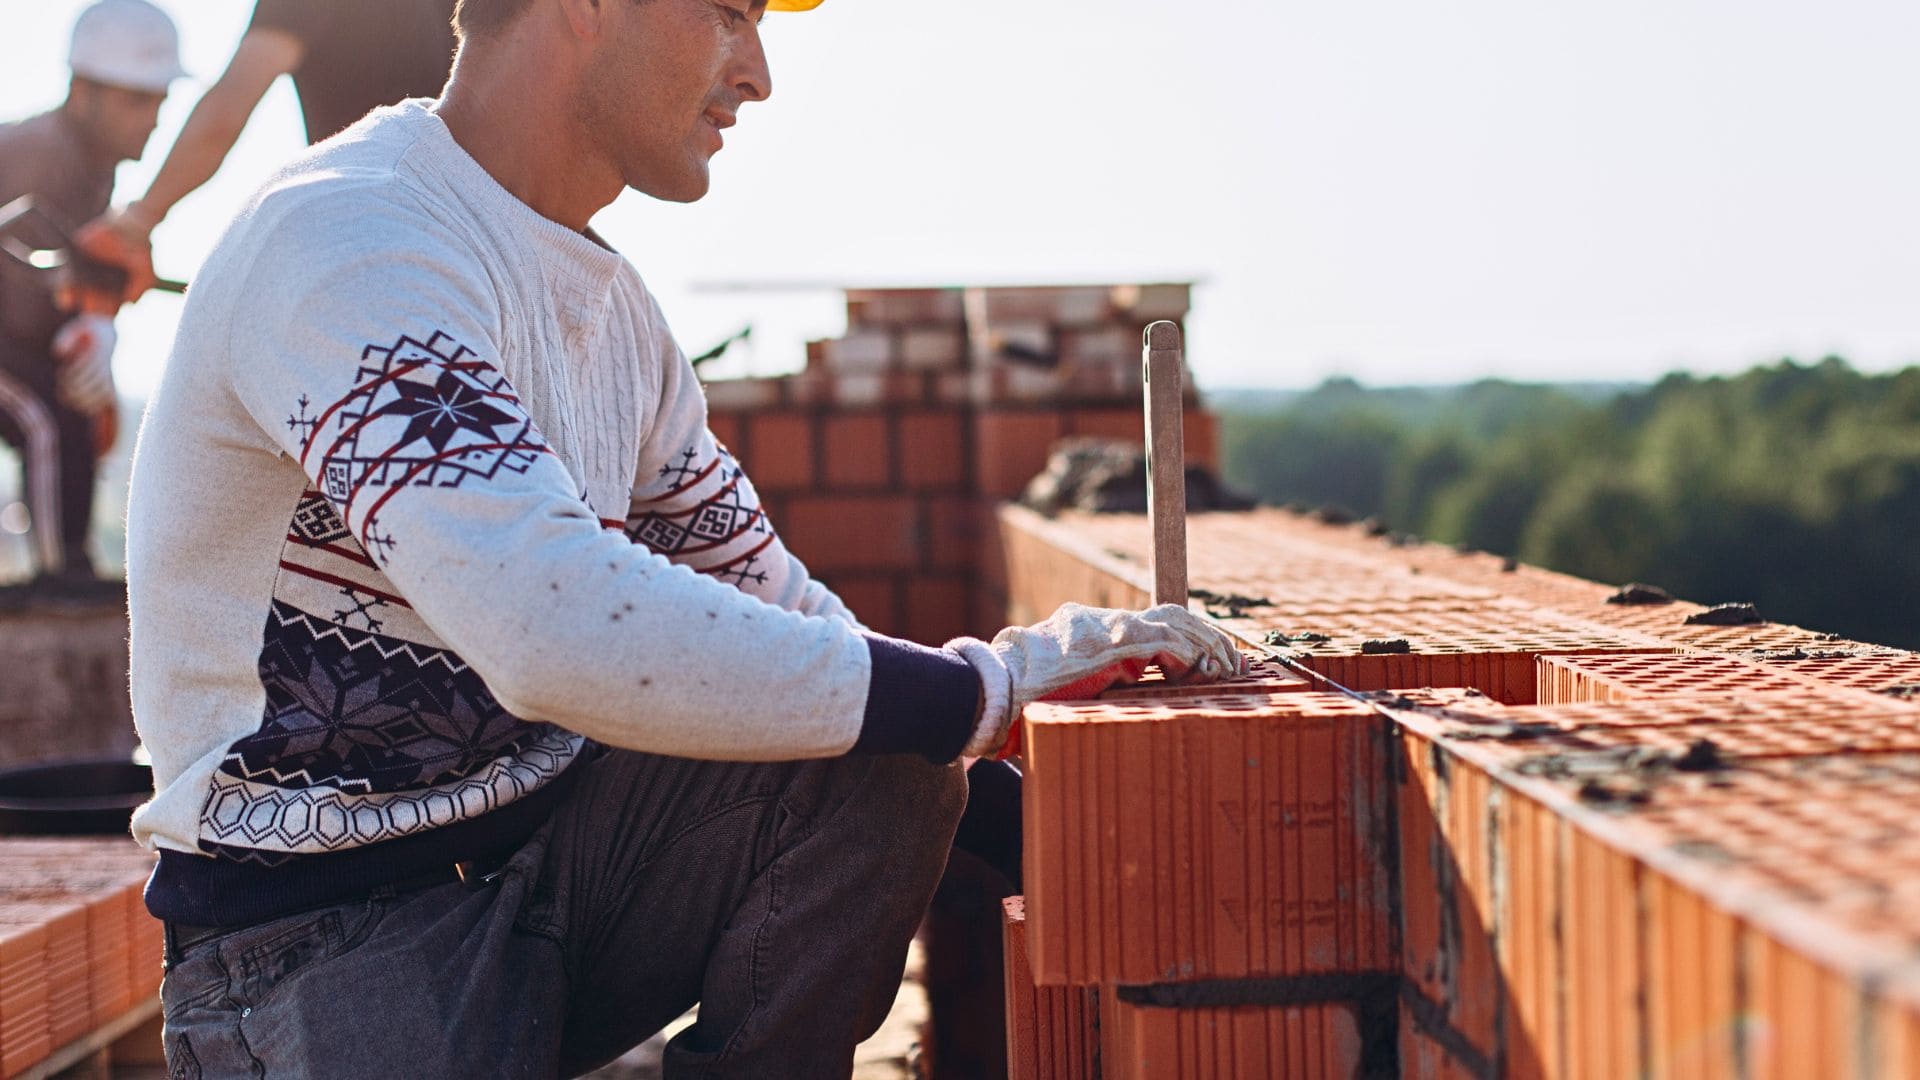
(1052,1031)
(1531,950)
(1601,933)
(25,1034)
(1567,679)
(1876,670)
(1138,1042)
(1214,836)
(1694,1020)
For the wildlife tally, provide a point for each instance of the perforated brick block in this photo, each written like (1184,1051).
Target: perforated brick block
(1693,1013)
(1052,1031)
(1264,676)
(1877,670)
(1205,836)
(1447,892)
(1568,679)
(1140,1042)
(25,1032)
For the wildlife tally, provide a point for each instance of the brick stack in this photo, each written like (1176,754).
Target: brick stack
(879,463)
(1688,851)
(77,947)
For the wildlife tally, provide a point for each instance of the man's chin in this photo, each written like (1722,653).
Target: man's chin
(690,186)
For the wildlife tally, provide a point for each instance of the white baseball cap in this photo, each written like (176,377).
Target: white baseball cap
(127,43)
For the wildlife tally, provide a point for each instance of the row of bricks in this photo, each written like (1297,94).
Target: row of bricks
(1622,678)
(1083,1032)
(1555,952)
(1576,1015)
(994,384)
(77,947)
(992,453)
(1274,554)
(1066,305)
(1030,346)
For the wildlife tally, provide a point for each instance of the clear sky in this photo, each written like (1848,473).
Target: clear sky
(1395,190)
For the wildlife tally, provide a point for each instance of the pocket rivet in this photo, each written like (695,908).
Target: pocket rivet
(246,1012)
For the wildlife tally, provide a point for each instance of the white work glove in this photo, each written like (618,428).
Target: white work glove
(1080,651)
(84,347)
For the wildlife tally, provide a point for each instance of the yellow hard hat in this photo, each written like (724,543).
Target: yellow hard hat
(792,5)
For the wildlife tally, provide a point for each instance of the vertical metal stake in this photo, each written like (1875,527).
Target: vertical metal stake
(1166,462)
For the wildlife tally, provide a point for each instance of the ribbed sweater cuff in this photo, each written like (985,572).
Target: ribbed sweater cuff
(919,700)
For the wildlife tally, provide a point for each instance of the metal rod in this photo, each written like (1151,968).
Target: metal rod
(1163,365)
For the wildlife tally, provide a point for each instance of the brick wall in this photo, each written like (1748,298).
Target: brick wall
(1562,837)
(881,461)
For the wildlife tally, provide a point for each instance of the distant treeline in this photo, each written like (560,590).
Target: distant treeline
(1794,487)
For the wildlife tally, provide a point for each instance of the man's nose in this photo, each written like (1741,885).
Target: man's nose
(753,80)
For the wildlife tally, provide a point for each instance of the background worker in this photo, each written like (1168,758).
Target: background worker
(57,403)
(492,724)
(346,57)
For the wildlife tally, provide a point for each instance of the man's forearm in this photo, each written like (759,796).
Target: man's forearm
(217,120)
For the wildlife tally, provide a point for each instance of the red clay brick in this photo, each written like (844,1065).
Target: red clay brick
(1878,670)
(1692,1004)
(853,532)
(1602,934)
(25,1032)
(1802,1020)
(1532,960)
(957,530)
(937,610)
(1052,1031)
(727,429)
(871,597)
(933,450)
(1139,1042)
(1220,836)
(780,451)
(859,452)
(899,307)
(1566,679)
(1011,447)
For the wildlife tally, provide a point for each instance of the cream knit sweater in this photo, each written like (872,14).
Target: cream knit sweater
(426,500)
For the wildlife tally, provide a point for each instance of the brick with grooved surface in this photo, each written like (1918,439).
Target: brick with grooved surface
(1217,835)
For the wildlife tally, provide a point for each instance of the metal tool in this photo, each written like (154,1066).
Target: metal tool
(1163,368)
(63,264)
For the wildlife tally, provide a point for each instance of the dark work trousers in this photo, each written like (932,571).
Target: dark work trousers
(55,445)
(780,897)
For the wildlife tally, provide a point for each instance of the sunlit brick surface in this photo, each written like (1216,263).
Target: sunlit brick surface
(1698,855)
(1217,835)
(77,947)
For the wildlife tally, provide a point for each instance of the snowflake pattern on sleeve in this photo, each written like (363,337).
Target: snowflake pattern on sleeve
(420,414)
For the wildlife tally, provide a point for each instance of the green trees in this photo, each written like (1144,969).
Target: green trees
(1794,486)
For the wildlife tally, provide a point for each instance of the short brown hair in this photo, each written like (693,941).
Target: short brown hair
(478,18)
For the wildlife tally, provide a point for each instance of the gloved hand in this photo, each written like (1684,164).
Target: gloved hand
(1080,651)
(84,347)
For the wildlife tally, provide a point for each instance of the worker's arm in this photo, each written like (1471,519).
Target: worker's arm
(694,504)
(123,237)
(374,321)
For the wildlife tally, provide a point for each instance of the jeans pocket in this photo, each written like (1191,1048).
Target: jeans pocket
(262,959)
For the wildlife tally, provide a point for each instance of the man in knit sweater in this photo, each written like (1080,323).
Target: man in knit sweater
(492,724)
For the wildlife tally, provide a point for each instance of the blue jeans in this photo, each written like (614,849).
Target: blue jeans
(780,898)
